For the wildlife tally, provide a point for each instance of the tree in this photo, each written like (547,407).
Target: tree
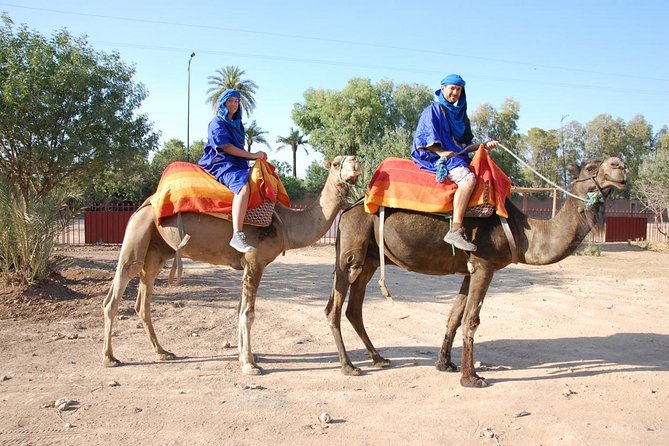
(489,123)
(542,145)
(254,134)
(315,177)
(231,77)
(652,186)
(348,122)
(294,140)
(67,113)
(605,137)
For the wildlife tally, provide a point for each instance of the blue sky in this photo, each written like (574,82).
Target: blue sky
(569,58)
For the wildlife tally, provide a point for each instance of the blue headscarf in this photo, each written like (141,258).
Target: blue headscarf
(455,113)
(234,124)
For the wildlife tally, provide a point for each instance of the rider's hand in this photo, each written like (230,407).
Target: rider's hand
(261,155)
(491,144)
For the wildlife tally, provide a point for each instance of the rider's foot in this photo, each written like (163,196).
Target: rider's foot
(239,242)
(458,238)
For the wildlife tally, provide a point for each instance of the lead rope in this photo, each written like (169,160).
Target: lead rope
(541,176)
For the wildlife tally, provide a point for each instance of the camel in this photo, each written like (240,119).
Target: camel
(147,246)
(413,241)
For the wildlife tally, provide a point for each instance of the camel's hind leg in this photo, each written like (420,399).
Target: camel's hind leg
(131,259)
(153,264)
(444,362)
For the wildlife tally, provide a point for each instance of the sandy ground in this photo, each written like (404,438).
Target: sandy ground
(576,353)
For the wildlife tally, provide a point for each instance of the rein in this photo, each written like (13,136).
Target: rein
(592,197)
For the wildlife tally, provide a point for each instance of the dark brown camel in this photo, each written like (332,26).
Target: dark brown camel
(413,241)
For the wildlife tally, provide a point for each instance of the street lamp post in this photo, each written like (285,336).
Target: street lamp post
(188,112)
(564,163)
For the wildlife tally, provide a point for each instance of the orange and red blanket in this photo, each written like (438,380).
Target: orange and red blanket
(187,187)
(399,183)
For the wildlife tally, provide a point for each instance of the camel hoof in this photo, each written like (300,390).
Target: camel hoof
(444,366)
(381,363)
(349,370)
(111,362)
(166,356)
(251,369)
(473,381)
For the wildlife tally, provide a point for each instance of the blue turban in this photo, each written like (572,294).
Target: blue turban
(453,79)
(234,124)
(455,113)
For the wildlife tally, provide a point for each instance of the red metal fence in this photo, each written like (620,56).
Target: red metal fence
(107,223)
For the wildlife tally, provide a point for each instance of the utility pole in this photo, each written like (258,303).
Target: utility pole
(188,112)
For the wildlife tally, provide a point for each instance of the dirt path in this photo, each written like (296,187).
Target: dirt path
(576,353)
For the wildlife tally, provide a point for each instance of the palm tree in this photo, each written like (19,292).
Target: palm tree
(294,140)
(231,77)
(254,134)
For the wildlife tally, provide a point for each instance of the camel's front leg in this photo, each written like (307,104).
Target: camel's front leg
(444,362)
(250,282)
(333,314)
(480,281)
(354,313)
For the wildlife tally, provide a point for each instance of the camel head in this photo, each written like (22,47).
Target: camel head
(598,176)
(346,169)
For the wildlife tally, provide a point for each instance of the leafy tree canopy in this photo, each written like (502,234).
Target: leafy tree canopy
(67,112)
(350,121)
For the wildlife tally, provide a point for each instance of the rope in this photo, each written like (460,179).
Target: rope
(541,176)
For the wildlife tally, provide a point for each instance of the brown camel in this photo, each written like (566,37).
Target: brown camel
(413,241)
(147,246)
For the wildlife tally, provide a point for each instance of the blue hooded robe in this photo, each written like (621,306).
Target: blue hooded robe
(232,171)
(446,124)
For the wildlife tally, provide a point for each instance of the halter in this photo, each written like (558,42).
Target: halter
(593,197)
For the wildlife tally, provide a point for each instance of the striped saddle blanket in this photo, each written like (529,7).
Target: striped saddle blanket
(399,183)
(187,187)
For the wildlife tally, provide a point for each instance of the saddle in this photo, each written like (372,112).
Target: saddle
(399,183)
(187,187)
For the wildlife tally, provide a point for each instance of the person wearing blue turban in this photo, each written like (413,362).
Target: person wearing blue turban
(442,143)
(226,159)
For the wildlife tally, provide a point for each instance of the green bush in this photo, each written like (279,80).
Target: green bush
(592,250)
(28,231)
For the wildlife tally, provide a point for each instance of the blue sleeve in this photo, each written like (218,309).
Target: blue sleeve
(219,136)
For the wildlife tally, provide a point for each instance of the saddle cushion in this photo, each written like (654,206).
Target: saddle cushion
(399,183)
(187,187)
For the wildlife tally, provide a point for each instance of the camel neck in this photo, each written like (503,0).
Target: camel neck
(549,241)
(304,227)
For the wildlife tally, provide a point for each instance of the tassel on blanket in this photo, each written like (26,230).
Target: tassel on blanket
(442,170)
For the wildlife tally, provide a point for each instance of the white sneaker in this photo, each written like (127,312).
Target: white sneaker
(239,242)
(458,239)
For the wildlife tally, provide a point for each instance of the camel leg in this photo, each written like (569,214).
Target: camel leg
(250,283)
(354,313)
(444,362)
(333,314)
(480,281)
(131,259)
(152,267)
(124,272)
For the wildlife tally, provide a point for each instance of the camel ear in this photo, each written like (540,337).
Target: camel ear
(574,170)
(335,162)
